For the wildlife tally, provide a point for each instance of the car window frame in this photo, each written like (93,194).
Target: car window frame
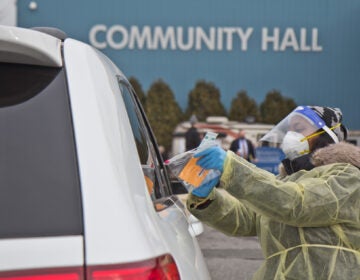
(164,190)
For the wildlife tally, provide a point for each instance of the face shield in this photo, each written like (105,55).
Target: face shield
(293,132)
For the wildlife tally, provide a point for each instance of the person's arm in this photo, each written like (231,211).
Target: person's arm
(224,213)
(234,146)
(217,208)
(321,197)
(251,150)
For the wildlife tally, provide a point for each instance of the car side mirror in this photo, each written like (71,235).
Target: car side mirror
(176,186)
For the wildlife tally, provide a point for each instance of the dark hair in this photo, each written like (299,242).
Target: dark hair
(325,139)
(344,130)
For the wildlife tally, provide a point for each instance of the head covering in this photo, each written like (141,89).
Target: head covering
(315,118)
(332,117)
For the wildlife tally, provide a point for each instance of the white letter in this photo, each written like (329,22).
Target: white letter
(303,46)
(266,39)
(219,45)
(164,38)
(244,37)
(201,36)
(92,36)
(289,40)
(315,46)
(110,37)
(140,39)
(229,38)
(180,41)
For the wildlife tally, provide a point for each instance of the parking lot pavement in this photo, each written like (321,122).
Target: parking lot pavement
(230,258)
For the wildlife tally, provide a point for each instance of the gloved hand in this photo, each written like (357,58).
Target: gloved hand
(205,189)
(211,158)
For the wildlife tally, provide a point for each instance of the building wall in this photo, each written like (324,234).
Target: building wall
(308,50)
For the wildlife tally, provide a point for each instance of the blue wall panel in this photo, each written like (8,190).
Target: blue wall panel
(314,59)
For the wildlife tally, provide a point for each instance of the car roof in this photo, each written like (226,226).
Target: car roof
(26,46)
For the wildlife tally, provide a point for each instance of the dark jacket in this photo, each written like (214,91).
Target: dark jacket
(251,151)
(192,139)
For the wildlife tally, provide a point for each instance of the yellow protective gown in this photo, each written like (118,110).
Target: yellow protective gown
(308,223)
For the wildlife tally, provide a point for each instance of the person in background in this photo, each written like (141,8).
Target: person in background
(243,147)
(307,218)
(192,135)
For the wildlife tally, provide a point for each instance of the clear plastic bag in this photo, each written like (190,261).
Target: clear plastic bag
(184,166)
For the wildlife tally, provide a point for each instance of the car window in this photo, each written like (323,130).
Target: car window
(148,154)
(39,185)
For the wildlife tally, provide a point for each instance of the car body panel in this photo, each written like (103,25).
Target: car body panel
(104,153)
(33,253)
(20,45)
(102,150)
(122,222)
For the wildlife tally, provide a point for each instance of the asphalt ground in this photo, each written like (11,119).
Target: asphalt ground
(230,258)
(227,257)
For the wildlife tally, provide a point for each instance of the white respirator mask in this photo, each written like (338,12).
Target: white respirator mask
(294,145)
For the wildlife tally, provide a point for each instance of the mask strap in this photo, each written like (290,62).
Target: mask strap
(331,133)
(327,130)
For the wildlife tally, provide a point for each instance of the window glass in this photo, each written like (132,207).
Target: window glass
(154,178)
(18,83)
(39,186)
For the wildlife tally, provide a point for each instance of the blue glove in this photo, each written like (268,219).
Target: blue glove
(205,189)
(211,158)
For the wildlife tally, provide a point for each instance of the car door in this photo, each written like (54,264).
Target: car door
(173,218)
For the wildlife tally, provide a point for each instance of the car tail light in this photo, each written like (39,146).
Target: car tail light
(161,268)
(44,274)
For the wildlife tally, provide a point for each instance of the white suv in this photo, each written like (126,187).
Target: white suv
(83,190)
